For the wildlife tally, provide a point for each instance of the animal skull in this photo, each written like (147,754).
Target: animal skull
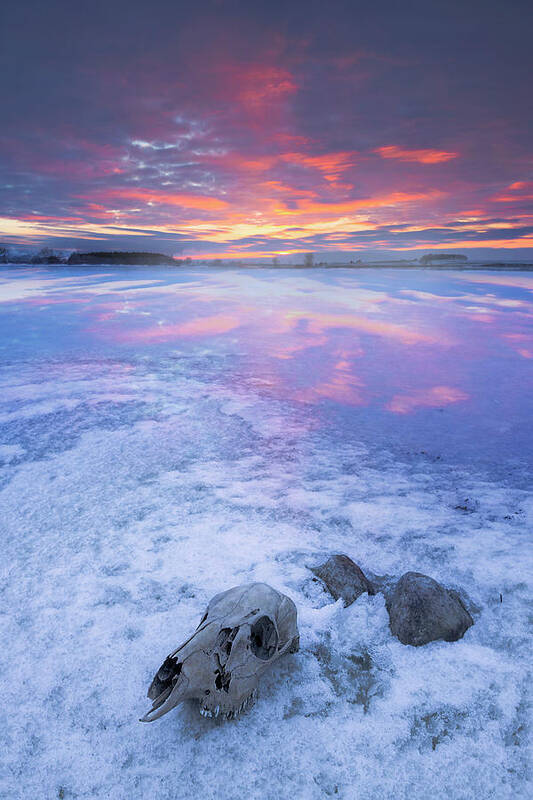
(243,631)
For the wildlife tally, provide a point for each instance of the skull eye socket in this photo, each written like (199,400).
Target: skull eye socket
(264,638)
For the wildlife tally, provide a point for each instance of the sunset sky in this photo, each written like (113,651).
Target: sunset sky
(255,129)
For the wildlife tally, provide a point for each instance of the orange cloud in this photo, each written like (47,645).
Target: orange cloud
(426,156)
(27,230)
(426,398)
(466,244)
(305,216)
(391,199)
(331,165)
(202,202)
(241,251)
(522,190)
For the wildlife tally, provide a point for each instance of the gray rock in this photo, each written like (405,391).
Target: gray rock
(421,611)
(343,578)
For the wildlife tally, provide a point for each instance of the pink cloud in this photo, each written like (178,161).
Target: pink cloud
(201,326)
(518,281)
(201,202)
(342,386)
(426,398)
(425,156)
(321,322)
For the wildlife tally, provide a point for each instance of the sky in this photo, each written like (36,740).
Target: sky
(260,130)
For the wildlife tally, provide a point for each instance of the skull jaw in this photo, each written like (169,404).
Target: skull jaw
(167,700)
(228,711)
(219,704)
(231,697)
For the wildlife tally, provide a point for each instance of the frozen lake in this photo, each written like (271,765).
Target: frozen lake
(167,434)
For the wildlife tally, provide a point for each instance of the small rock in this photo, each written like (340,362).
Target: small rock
(343,578)
(421,611)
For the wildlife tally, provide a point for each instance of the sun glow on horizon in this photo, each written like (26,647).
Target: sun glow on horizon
(264,154)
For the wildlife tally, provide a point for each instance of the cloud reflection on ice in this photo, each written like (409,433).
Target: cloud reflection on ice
(393,342)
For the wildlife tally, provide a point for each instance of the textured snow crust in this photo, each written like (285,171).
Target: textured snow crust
(134,487)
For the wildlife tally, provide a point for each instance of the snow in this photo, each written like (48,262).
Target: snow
(139,476)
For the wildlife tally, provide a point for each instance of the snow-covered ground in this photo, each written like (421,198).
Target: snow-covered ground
(164,436)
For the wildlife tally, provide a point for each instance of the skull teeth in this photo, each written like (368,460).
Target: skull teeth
(232,713)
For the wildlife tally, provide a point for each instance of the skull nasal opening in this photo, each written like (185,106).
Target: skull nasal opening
(165,679)
(264,638)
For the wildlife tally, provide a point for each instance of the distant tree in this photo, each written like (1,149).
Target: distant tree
(4,255)
(42,256)
(123,258)
(429,258)
(309,259)
(275,261)
(46,256)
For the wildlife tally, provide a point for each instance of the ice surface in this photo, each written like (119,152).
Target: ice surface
(142,474)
